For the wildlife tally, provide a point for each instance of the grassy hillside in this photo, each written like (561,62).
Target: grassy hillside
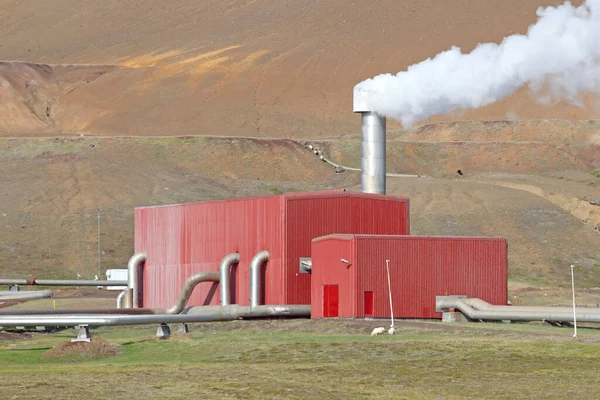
(306,359)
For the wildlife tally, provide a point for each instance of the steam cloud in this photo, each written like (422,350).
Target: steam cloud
(559,59)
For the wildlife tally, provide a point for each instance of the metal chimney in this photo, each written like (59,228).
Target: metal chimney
(373,128)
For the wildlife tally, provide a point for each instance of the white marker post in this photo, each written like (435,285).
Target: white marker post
(573,289)
(387,265)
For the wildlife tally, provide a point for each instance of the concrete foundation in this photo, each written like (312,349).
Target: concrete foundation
(163,331)
(454,317)
(83,335)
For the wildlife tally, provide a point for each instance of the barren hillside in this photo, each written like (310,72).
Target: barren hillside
(255,68)
(53,188)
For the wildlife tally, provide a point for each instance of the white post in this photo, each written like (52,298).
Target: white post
(98,273)
(387,265)
(573,289)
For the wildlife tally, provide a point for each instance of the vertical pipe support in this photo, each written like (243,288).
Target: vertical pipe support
(225,285)
(133,279)
(255,270)
(120,298)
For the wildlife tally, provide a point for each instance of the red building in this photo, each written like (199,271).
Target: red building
(184,239)
(349,277)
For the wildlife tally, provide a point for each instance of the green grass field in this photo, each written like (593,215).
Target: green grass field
(312,360)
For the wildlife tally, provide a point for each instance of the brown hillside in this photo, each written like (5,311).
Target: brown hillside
(53,188)
(255,68)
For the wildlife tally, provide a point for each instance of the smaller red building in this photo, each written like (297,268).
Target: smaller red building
(349,275)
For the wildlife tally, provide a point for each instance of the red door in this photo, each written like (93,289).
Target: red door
(330,301)
(369,306)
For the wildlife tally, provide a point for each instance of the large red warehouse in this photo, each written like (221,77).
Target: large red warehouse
(349,277)
(184,239)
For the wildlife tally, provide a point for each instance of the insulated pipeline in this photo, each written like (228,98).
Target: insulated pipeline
(14,281)
(188,288)
(61,282)
(26,295)
(74,282)
(133,275)
(196,314)
(470,308)
(224,271)
(179,305)
(255,277)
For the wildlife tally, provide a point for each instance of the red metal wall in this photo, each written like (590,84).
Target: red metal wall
(421,268)
(313,215)
(328,269)
(188,238)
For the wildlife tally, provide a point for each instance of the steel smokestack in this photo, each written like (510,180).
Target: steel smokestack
(373,128)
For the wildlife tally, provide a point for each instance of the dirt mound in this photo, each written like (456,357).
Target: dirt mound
(97,347)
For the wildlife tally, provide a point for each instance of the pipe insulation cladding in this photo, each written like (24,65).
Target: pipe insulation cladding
(224,270)
(259,260)
(373,146)
(26,295)
(477,309)
(61,282)
(195,314)
(188,288)
(133,275)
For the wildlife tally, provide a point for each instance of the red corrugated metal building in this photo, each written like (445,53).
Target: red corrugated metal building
(349,277)
(184,239)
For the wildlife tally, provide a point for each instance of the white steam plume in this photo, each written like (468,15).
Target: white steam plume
(559,56)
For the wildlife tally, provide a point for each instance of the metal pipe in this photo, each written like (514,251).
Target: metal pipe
(133,270)
(482,305)
(188,288)
(373,133)
(26,295)
(60,282)
(179,305)
(75,282)
(225,285)
(128,300)
(373,153)
(120,299)
(502,313)
(255,268)
(78,311)
(197,314)
(14,282)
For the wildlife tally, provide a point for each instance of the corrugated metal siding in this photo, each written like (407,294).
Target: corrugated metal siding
(422,268)
(188,238)
(327,269)
(309,217)
(185,239)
